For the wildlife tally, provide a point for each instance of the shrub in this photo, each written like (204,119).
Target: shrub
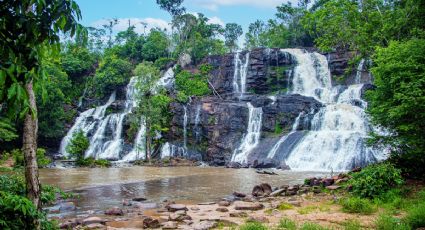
(287,224)
(416,216)
(374,180)
(77,147)
(253,226)
(284,206)
(387,222)
(42,160)
(162,62)
(192,84)
(357,205)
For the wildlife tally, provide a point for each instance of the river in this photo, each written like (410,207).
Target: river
(102,188)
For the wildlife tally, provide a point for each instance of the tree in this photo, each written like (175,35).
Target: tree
(27,27)
(398,102)
(112,72)
(255,30)
(156,46)
(232,32)
(152,104)
(172,6)
(78,145)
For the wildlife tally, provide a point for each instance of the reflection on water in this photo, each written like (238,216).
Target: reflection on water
(101,188)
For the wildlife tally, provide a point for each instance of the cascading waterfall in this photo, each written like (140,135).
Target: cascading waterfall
(197,120)
(240,74)
(358,79)
(138,151)
(337,139)
(87,121)
(273,151)
(185,127)
(252,137)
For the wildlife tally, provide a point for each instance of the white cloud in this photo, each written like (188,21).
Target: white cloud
(137,22)
(216,20)
(215,4)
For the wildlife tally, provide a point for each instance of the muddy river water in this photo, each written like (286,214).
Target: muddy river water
(101,188)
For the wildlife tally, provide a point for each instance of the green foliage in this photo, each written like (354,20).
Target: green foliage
(77,61)
(349,25)
(398,102)
(7,130)
(77,146)
(284,206)
(232,32)
(387,222)
(112,72)
(278,129)
(160,63)
(415,217)
(156,46)
(192,84)
(311,226)
(357,205)
(287,224)
(253,226)
(42,160)
(375,180)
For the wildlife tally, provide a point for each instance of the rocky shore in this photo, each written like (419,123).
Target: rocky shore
(315,200)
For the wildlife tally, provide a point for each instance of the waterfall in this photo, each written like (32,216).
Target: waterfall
(185,127)
(360,67)
(337,139)
(252,137)
(197,120)
(87,121)
(170,150)
(273,152)
(240,74)
(138,151)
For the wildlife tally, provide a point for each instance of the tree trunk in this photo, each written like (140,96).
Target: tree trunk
(30,148)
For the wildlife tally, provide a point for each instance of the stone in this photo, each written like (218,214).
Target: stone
(261,219)
(342,180)
(262,190)
(169,225)
(248,198)
(95,226)
(93,220)
(150,222)
(115,211)
(139,199)
(224,203)
(222,209)
(277,192)
(207,203)
(179,216)
(291,193)
(67,206)
(69,224)
(195,208)
(176,207)
(240,205)
(333,187)
(204,225)
(327,182)
(238,214)
(239,194)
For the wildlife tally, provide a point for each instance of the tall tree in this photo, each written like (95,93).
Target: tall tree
(232,32)
(172,6)
(29,29)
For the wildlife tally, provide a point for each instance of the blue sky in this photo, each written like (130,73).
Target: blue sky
(243,12)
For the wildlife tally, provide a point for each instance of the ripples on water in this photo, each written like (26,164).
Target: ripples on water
(100,188)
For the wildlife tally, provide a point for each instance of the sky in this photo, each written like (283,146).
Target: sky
(96,12)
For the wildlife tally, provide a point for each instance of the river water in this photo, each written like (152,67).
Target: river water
(102,188)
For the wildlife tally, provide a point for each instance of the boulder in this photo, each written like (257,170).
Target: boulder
(93,220)
(262,190)
(176,207)
(204,225)
(139,199)
(224,203)
(239,194)
(115,211)
(69,224)
(169,225)
(222,209)
(238,214)
(327,181)
(277,192)
(240,205)
(149,222)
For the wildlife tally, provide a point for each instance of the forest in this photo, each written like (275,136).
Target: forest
(52,68)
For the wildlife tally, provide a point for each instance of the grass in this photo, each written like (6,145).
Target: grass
(387,222)
(416,216)
(284,206)
(314,208)
(358,205)
(311,226)
(253,226)
(287,224)
(351,225)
